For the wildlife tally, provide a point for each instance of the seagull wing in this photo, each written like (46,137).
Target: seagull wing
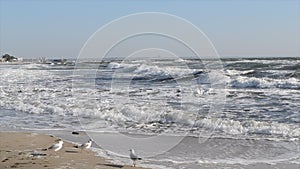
(133,156)
(53,146)
(84,145)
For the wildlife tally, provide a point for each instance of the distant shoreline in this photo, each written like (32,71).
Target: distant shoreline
(99,59)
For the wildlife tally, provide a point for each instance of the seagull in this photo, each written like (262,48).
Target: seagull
(57,146)
(86,145)
(133,157)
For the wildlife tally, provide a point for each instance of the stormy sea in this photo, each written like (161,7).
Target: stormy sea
(176,113)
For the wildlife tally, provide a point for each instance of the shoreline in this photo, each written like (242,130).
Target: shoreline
(25,150)
(16,148)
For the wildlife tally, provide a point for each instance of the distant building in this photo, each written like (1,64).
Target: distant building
(20,59)
(61,61)
(42,60)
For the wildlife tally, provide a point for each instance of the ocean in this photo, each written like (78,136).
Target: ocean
(175,113)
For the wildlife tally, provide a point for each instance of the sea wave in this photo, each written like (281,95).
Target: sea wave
(169,107)
(263,83)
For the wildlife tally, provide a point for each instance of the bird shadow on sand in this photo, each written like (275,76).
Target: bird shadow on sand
(71,151)
(112,165)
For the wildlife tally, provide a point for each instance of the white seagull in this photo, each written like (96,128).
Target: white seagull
(134,157)
(86,145)
(57,146)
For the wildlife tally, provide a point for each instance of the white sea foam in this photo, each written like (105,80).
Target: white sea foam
(36,90)
(233,127)
(252,82)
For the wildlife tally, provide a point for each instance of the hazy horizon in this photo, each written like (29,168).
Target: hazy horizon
(155,58)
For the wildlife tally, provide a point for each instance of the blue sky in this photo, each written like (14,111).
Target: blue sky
(55,28)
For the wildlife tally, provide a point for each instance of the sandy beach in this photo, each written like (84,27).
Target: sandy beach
(25,150)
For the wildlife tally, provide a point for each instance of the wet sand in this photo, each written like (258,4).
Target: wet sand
(25,150)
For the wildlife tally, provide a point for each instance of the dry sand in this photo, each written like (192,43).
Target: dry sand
(24,150)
